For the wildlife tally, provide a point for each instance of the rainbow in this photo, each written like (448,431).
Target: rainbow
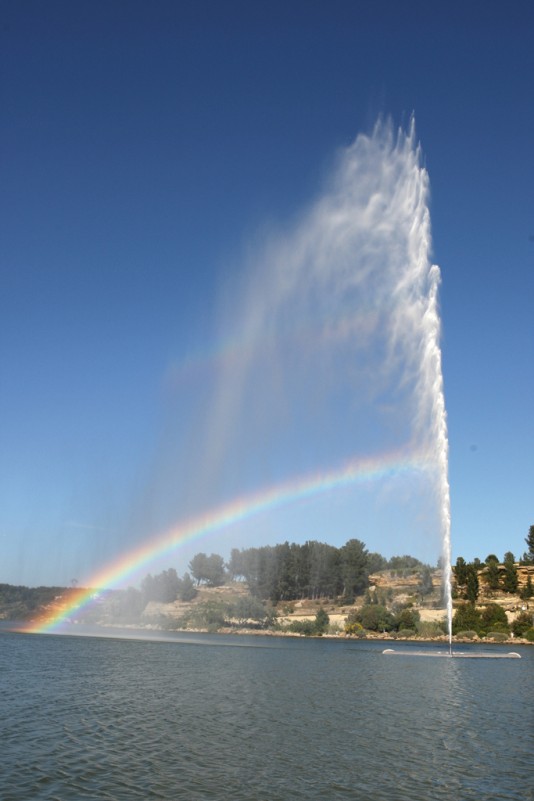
(354,471)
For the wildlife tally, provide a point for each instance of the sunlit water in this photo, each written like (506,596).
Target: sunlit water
(259,719)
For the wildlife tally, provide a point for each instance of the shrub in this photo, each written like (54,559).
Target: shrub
(321,621)
(210,614)
(305,627)
(408,619)
(352,627)
(334,628)
(498,636)
(493,618)
(466,635)
(376,617)
(430,628)
(521,624)
(406,633)
(466,618)
(529,635)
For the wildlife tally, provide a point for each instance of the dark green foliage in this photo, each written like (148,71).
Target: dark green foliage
(493,618)
(211,615)
(249,611)
(163,588)
(311,628)
(321,621)
(21,603)
(529,635)
(376,562)
(186,591)
(492,574)
(528,556)
(403,562)
(314,570)
(407,619)
(460,572)
(430,628)
(497,635)
(375,617)
(208,569)
(354,567)
(472,586)
(466,618)
(528,590)
(305,627)
(522,623)
(510,580)
(235,565)
(214,614)
(425,582)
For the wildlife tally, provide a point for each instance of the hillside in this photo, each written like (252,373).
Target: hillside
(402,602)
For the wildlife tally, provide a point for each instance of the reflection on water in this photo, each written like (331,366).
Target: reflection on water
(92,718)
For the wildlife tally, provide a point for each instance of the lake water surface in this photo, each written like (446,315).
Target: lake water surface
(260,719)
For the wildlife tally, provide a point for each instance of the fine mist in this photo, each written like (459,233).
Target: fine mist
(329,351)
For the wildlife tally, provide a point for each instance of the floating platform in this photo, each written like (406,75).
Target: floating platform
(453,654)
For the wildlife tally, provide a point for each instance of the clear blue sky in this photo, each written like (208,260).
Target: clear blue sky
(144,146)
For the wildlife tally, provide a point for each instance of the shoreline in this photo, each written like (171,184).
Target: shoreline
(226,631)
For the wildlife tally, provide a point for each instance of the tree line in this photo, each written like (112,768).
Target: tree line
(291,571)
(284,572)
(495,574)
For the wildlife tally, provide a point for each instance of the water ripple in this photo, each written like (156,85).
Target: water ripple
(115,720)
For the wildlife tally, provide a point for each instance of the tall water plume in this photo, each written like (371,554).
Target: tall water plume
(332,342)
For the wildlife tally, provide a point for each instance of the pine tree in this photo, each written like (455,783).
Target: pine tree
(510,580)
(528,556)
(528,590)
(492,573)
(472,586)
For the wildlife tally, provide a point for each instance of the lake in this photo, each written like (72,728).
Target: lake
(191,716)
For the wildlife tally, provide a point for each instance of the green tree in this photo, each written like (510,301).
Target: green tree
(407,619)
(510,579)
(325,569)
(376,562)
(493,618)
(405,562)
(208,569)
(522,623)
(528,590)
(163,588)
(425,586)
(187,589)
(471,586)
(236,565)
(211,615)
(460,572)
(354,568)
(466,618)
(528,556)
(375,617)
(492,573)
(249,610)
(321,621)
